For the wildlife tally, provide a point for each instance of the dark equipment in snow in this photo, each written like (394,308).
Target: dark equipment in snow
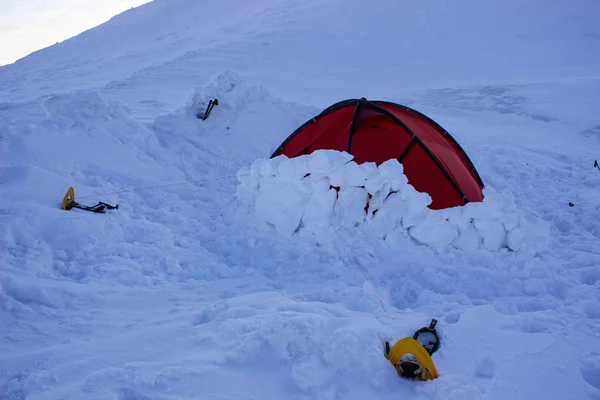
(209,108)
(596,164)
(69,203)
(377,131)
(428,337)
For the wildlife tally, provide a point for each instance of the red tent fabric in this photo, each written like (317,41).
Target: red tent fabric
(377,131)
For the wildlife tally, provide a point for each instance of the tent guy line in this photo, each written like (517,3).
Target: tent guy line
(160,186)
(362,270)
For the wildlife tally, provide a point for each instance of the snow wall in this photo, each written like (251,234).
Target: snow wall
(297,196)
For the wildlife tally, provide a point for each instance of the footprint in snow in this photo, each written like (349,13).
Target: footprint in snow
(452,317)
(485,367)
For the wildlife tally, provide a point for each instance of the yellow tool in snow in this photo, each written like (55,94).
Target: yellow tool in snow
(69,203)
(407,352)
(69,197)
(412,356)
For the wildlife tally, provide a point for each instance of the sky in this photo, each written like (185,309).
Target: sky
(30,25)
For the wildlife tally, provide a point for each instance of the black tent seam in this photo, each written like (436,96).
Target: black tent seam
(444,132)
(352,127)
(425,148)
(407,149)
(327,111)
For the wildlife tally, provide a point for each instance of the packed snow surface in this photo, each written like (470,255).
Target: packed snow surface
(228,275)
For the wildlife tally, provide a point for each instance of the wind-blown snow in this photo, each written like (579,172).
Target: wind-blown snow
(185,292)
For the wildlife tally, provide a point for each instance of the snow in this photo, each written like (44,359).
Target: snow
(225,274)
(299,195)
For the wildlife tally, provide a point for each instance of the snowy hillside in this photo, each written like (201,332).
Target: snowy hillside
(225,275)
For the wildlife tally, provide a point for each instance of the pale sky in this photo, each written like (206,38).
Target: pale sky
(30,25)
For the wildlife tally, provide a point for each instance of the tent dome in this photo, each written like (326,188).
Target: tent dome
(377,131)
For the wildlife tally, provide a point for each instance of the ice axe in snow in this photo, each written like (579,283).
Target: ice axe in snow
(209,108)
(69,203)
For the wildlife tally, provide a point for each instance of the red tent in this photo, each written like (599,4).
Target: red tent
(377,131)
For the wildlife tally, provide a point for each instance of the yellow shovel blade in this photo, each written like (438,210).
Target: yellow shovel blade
(70,196)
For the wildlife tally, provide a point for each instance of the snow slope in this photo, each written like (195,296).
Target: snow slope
(186,292)
(315,52)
